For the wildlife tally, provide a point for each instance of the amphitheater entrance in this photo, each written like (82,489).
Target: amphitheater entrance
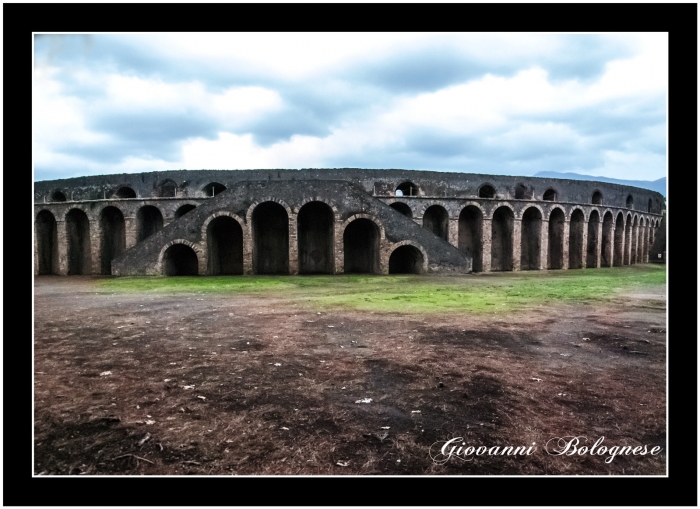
(406,260)
(502,239)
(576,224)
(78,236)
(592,240)
(436,220)
(619,238)
(180,260)
(531,239)
(149,220)
(225,246)
(361,247)
(556,239)
(47,243)
(270,239)
(403,208)
(113,239)
(469,235)
(315,230)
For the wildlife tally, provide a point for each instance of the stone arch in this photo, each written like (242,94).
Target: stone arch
(557,218)
(213,188)
(167,189)
(531,234)
(650,205)
(78,237)
(486,190)
(500,204)
(608,236)
(408,258)
(402,208)
(270,234)
(629,203)
(522,192)
(576,225)
(592,239)
(361,246)
(502,238)
(437,220)
(149,220)
(112,238)
(179,258)
(315,234)
(597,198)
(251,208)
(407,188)
(619,239)
(556,207)
(123,192)
(223,232)
(47,242)
(184,209)
(550,195)
(58,196)
(470,228)
(362,215)
(519,214)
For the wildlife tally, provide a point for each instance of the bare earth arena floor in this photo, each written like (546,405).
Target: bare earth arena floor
(256,375)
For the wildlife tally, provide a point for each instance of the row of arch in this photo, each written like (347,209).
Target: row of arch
(224,237)
(166,189)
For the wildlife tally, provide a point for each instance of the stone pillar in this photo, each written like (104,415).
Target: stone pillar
(293,245)
(62,236)
(130,226)
(338,248)
(486,245)
(95,246)
(647,245)
(584,246)
(36,249)
(544,245)
(453,232)
(565,249)
(599,247)
(517,242)
(247,250)
(624,245)
(634,244)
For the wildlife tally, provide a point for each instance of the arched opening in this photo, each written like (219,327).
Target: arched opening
(576,239)
(619,238)
(556,239)
(629,202)
(213,188)
(649,205)
(58,196)
(125,192)
(361,247)
(487,191)
(502,239)
(78,237)
(403,208)
(180,260)
(531,229)
(550,195)
(436,220)
(270,239)
(407,189)
(315,231)
(469,235)
(406,260)
(597,198)
(47,242)
(167,189)
(628,241)
(521,192)
(184,210)
(592,240)
(149,220)
(225,246)
(606,248)
(113,240)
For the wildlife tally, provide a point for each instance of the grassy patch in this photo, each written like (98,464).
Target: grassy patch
(485,292)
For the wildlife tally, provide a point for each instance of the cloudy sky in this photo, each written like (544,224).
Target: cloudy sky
(507,103)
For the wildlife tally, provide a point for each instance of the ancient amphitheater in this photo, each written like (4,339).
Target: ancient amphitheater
(331,221)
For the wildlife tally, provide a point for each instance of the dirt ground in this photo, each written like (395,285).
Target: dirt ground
(146,383)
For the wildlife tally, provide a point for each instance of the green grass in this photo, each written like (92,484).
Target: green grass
(488,292)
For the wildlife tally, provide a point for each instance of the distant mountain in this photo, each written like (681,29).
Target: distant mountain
(654,185)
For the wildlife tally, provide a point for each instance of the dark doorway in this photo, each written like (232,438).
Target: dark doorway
(315,230)
(361,247)
(225,246)
(149,220)
(576,224)
(556,239)
(78,236)
(184,210)
(47,242)
(597,198)
(550,195)
(407,189)
(113,240)
(592,240)
(487,191)
(531,234)
(403,208)
(180,260)
(125,192)
(629,202)
(213,189)
(469,235)
(502,239)
(58,196)
(436,220)
(521,192)
(406,260)
(167,189)
(270,239)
